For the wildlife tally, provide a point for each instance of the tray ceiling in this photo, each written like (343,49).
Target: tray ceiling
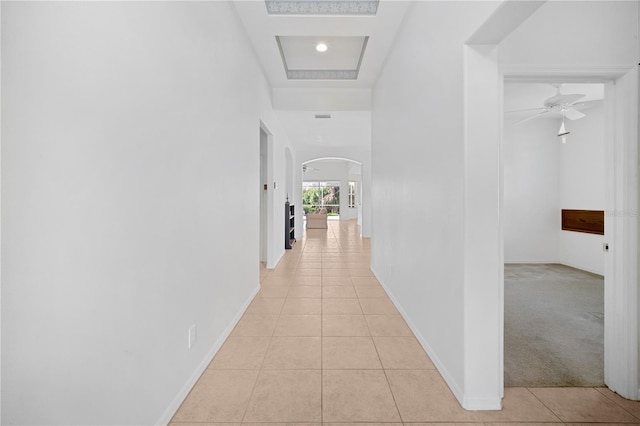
(358,43)
(341,60)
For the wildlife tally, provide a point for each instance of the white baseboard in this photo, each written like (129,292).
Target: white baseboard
(510,262)
(182,394)
(482,404)
(582,268)
(446,375)
(557,262)
(277,261)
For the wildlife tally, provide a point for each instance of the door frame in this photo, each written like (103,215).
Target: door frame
(484,79)
(262,194)
(266,218)
(621,210)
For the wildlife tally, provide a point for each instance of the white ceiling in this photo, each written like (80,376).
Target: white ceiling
(263,28)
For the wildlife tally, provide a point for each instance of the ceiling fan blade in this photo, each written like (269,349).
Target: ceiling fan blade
(574,114)
(526,110)
(563,99)
(586,104)
(531,117)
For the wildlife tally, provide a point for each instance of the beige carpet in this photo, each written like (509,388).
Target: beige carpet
(554,326)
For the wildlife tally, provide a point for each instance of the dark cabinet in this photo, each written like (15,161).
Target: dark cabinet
(289,225)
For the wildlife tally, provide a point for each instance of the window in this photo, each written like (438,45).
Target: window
(352,194)
(321,195)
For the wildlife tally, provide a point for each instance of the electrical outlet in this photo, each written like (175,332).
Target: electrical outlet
(193,337)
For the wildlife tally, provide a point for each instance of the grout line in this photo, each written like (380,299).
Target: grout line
(255,384)
(260,369)
(616,402)
(545,405)
(384,370)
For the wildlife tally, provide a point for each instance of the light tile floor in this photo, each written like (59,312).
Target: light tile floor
(322,343)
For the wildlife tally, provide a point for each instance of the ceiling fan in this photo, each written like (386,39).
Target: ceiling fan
(306,168)
(562,104)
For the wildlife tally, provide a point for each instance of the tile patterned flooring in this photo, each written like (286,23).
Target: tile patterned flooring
(323,344)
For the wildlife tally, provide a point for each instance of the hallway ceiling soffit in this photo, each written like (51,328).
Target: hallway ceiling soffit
(359,34)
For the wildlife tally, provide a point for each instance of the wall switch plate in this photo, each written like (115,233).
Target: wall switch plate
(193,337)
(605,246)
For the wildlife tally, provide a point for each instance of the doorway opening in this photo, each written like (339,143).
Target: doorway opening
(335,186)
(621,197)
(553,160)
(485,78)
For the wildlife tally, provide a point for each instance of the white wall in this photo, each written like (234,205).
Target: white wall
(588,33)
(355,175)
(324,99)
(418,180)
(582,186)
(531,156)
(130,152)
(278,173)
(542,177)
(289,188)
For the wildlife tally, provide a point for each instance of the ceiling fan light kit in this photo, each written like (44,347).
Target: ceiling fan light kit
(562,133)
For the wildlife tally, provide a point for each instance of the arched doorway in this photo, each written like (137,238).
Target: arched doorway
(334,184)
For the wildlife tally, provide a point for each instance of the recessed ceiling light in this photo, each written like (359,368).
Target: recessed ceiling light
(321,47)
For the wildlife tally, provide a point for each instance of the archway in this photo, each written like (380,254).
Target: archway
(334,184)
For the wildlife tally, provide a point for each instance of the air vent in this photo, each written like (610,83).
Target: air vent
(323,115)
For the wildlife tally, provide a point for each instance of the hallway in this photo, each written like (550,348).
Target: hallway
(323,343)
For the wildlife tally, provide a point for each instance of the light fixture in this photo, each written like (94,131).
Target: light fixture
(562,133)
(321,47)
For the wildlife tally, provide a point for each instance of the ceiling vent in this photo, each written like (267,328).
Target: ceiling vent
(323,115)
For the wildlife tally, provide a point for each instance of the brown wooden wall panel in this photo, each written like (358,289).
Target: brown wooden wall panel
(589,221)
